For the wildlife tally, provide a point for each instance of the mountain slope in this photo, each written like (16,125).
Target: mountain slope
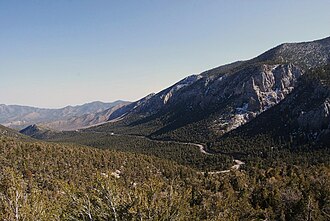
(67,118)
(300,121)
(206,106)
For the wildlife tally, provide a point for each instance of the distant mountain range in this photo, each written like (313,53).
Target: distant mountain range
(206,106)
(67,118)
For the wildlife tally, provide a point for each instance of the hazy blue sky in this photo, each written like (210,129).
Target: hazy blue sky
(59,52)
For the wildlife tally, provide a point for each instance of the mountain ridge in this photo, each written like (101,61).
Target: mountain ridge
(221,99)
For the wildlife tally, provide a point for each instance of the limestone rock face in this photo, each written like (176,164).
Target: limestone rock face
(264,87)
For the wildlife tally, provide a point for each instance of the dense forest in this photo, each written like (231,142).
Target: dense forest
(53,181)
(182,153)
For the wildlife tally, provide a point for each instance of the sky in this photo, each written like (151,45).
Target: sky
(55,53)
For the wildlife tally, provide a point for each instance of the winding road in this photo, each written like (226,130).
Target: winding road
(202,149)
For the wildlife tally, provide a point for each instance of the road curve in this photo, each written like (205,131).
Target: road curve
(202,149)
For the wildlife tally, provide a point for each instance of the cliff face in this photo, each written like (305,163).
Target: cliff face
(261,89)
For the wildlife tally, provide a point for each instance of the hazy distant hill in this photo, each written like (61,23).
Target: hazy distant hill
(67,118)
